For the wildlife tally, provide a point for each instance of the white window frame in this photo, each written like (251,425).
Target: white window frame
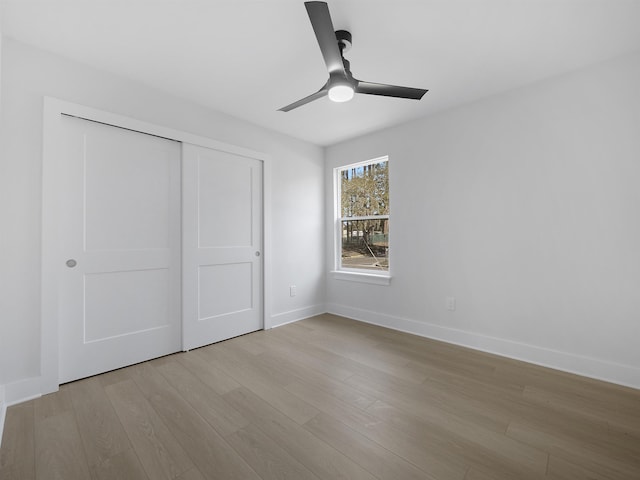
(382,277)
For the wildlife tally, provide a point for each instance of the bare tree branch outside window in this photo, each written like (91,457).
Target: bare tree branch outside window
(364,211)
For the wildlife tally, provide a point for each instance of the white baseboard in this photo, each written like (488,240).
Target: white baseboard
(22,390)
(291,316)
(17,392)
(626,375)
(586,366)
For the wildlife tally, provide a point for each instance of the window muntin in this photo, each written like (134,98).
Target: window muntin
(363,216)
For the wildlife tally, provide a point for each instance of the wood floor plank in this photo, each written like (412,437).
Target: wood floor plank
(569,386)
(299,355)
(429,454)
(593,456)
(124,465)
(478,446)
(159,452)
(267,458)
(213,456)
(488,473)
(193,474)
(101,431)
(249,343)
(624,435)
(312,357)
(475,384)
(59,451)
(292,366)
(207,372)
(114,376)
(328,398)
(379,461)
(211,406)
(343,327)
(227,357)
(577,428)
(299,331)
(17,456)
(615,412)
(445,362)
(560,469)
(251,377)
(336,389)
(429,402)
(321,459)
(385,362)
(447,399)
(351,366)
(53,404)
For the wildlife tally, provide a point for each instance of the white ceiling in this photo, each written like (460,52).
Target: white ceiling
(248,58)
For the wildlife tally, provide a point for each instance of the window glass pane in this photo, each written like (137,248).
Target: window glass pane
(365,244)
(364,190)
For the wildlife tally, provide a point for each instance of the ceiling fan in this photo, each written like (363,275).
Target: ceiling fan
(341,85)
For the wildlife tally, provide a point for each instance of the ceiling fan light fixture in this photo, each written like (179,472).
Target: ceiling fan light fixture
(341,85)
(341,92)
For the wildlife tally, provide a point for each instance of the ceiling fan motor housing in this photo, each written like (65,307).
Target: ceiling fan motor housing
(344,40)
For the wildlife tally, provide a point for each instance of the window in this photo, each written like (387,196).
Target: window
(362,224)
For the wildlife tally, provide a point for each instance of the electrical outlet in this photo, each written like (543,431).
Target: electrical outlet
(451,303)
(292,291)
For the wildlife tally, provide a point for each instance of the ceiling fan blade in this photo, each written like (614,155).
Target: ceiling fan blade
(325,34)
(319,94)
(390,90)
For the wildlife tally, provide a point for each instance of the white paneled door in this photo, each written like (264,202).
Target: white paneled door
(119,231)
(222,245)
(160,247)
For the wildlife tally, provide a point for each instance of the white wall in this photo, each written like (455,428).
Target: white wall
(2,364)
(28,75)
(523,206)
(526,208)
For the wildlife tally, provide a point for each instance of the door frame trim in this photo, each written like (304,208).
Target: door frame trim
(50,250)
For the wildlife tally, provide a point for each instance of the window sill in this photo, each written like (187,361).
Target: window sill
(370,278)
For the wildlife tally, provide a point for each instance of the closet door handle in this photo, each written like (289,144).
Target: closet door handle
(71,263)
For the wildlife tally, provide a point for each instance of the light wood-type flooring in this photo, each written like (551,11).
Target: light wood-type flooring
(327,398)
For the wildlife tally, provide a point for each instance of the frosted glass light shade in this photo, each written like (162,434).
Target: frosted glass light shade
(341,93)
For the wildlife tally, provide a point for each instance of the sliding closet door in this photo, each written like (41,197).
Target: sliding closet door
(222,245)
(120,237)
